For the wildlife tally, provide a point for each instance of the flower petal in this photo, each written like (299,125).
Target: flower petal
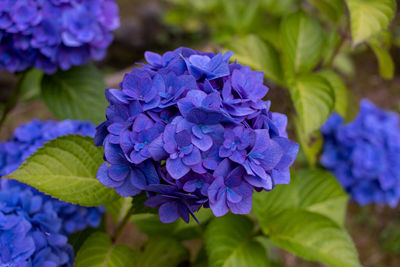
(204,143)
(168,212)
(243,207)
(176,168)
(233,197)
(219,207)
(127,189)
(102,176)
(193,158)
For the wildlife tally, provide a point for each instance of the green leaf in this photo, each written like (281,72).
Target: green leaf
(369,17)
(161,251)
(138,204)
(77,239)
(77,93)
(313,237)
(333,9)
(229,242)
(118,208)
(310,144)
(314,100)
(278,8)
(98,251)
(385,61)
(312,190)
(381,45)
(239,15)
(65,168)
(302,40)
(201,259)
(271,34)
(30,84)
(151,225)
(344,64)
(339,88)
(306,218)
(259,55)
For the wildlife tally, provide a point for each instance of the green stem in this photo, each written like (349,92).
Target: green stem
(12,101)
(121,225)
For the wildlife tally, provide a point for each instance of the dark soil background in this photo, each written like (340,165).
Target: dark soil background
(375,229)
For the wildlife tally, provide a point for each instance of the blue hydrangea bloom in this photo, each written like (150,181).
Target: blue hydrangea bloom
(26,140)
(30,230)
(51,34)
(364,154)
(77,218)
(192,130)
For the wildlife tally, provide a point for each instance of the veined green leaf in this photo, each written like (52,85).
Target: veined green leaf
(160,251)
(369,17)
(302,40)
(333,9)
(229,243)
(259,55)
(98,251)
(314,100)
(306,218)
(339,88)
(65,168)
(77,93)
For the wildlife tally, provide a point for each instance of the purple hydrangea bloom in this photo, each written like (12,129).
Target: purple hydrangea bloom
(30,230)
(51,34)
(26,140)
(364,154)
(229,190)
(191,130)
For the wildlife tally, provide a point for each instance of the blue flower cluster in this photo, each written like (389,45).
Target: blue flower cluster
(364,155)
(77,218)
(26,140)
(30,231)
(191,130)
(51,34)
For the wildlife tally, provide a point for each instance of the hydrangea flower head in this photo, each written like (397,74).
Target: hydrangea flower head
(192,130)
(26,140)
(364,154)
(51,34)
(30,230)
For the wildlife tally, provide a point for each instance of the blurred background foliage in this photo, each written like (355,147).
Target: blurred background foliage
(320,55)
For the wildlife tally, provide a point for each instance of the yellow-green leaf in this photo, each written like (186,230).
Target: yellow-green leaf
(369,17)
(98,251)
(259,55)
(339,88)
(65,168)
(302,40)
(314,100)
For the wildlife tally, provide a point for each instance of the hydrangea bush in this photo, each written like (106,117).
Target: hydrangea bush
(188,131)
(26,140)
(52,34)
(191,129)
(30,230)
(364,154)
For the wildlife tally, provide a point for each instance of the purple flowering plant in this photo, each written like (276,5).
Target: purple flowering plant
(191,130)
(36,224)
(54,34)
(191,136)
